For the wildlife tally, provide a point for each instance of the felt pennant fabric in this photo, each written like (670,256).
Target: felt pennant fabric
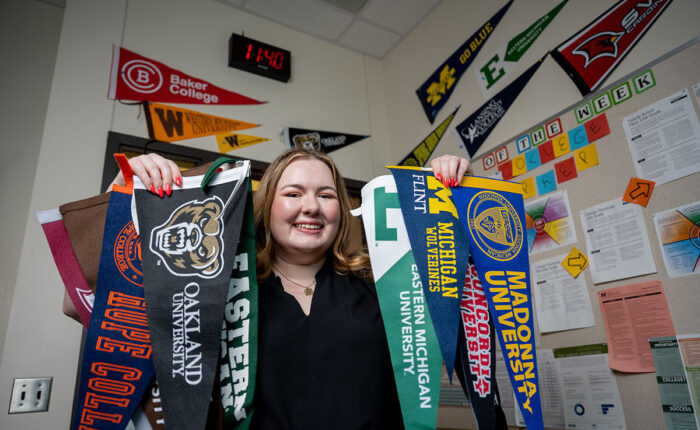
(414,350)
(317,140)
(189,246)
(422,152)
(230,141)
(493,214)
(590,55)
(474,130)
(437,89)
(135,77)
(440,248)
(116,364)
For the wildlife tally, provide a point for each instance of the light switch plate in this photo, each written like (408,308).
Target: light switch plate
(30,395)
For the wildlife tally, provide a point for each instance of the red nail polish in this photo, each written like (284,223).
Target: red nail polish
(152,189)
(445,183)
(178,181)
(160,192)
(439,177)
(453,182)
(168,189)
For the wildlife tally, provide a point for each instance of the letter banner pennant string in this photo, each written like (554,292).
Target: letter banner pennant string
(239,337)
(188,249)
(438,88)
(422,152)
(440,248)
(474,130)
(493,214)
(116,365)
(414,350)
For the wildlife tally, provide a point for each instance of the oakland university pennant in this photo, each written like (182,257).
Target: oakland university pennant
(474,130)
(317,140)
(438,88)
(414,350)
(440,248)
(116,366)
(188,250)
(493,214)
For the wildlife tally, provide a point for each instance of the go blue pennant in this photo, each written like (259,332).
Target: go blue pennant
(493,215)
(438,88)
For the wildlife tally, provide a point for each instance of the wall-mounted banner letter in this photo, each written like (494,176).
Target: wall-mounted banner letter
(590,55)
(317,140)
(438,88)
(421,153)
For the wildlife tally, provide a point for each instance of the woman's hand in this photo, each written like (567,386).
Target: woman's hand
(157,173)
(449,169)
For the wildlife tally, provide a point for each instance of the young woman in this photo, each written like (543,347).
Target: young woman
(323,359)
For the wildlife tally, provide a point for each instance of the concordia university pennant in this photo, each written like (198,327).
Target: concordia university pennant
(440,248)
(317,140)
(135,77)
(438,88)
(422,152)
(169,123)
(590,55)
(493,214)
(414,350)
(188,249)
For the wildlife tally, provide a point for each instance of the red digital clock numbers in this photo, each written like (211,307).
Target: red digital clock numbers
(259,58)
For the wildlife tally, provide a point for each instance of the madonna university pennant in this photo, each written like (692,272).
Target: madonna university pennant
(493,214)
(135,77)
(170,123)
(414,350)
(438,88)
(189,242)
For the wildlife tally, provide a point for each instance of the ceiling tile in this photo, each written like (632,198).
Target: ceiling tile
(366,37)
(399,16)
(352,6)
(231,2)
(308,16)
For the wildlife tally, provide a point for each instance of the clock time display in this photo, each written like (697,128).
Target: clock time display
(259,58)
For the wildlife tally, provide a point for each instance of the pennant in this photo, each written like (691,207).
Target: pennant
(316,140)
(169,123)
(422,152)
(239,337)
(440,248)
(489,73)
(188,251)
(438,88)
(135,77)
(493,213)
(590,55)
(474,130)
(116,364)
(230,141)
(67,263)
(414,350)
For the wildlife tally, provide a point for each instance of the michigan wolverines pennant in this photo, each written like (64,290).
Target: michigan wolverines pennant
(188,250)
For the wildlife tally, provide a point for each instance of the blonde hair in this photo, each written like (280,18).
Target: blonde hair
(344,260)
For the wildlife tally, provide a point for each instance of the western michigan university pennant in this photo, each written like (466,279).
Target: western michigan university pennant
(317,140)
(589,56)
(474,130)
(230,141)
(493,214)
(440,248)
(414,350)
(116,363)
(188,250)
(135,77)
(492,72)
(438,88)
(422,152)
(169,123)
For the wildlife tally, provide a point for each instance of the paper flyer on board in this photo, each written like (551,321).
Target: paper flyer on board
(631,315)
(616,241)
(678,231)
(549,223)
(689,345)
(664,139)
(562,301)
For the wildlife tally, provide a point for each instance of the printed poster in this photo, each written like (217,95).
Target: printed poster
(549,223)
(678,231)
(689,345)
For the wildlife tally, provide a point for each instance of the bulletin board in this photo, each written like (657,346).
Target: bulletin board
(593,184)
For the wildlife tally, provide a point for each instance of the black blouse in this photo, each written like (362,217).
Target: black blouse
(328,370)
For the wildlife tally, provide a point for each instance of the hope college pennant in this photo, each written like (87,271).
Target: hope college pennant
(188,249)
(414,350)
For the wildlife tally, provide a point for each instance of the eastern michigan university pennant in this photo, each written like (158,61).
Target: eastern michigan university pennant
(493,214)
(414,350)
(188,250)
(422,152)
(135,77)
(590,55)
(438,88)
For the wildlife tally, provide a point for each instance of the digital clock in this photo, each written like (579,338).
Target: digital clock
(259,58)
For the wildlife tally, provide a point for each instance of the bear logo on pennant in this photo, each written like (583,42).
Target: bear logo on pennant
(310,141)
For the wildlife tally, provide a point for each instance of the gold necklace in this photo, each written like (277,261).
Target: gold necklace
(307,288)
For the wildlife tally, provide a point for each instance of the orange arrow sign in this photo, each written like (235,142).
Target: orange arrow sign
(639,191)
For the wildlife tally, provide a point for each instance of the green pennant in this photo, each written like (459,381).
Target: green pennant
(522,42)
